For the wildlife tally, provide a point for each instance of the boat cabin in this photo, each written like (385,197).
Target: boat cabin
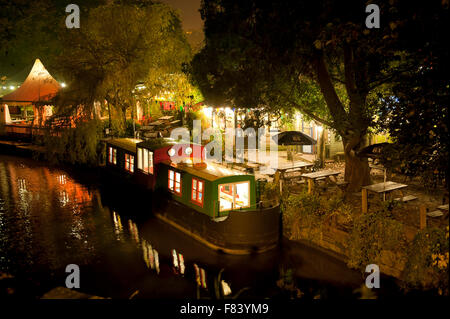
(180,168)
(152,152)
(209,188)
(121,154)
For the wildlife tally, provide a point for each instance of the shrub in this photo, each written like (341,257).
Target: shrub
(305,214)
(428,258)
(371,234)
(79,145)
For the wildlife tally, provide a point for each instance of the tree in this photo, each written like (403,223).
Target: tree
(282,53)
(416,112)
(119,45)
(29,30)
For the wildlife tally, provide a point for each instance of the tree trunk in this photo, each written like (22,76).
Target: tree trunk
(321,148)
(357,171)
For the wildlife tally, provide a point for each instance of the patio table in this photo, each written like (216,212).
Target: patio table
(329,175)
(380,188)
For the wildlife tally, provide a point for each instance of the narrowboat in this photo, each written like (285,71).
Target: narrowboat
(216,205)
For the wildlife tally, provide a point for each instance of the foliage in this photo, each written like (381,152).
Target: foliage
(315,56)
(428,259)
(120,45)
(371,234)
(416,114)
(131,127)
(270,192)
(29,30)
(172,84)
(191,116)
(79,145)
(306,214)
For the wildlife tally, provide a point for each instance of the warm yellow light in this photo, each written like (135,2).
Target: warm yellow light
(208,112)
(63,85)
(229,112)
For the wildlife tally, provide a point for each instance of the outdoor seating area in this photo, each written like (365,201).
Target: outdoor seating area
(159,128)
(298,176)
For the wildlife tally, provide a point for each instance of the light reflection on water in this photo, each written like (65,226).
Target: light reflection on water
(49,220)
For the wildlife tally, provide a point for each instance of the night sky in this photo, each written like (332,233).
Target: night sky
(189,13)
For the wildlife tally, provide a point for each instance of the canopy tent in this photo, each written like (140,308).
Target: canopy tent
(39,86)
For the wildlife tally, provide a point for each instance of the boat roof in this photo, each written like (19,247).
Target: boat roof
(156,143)
(128,144)
(210,172)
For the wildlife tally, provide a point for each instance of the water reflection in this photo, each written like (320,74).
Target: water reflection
(200,276)
(118,228)
(151,256)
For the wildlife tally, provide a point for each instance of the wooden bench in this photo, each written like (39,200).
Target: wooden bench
(436,213)
(405,199)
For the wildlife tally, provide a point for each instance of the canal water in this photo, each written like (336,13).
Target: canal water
(52,217)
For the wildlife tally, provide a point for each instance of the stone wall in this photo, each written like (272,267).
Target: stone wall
(335,238)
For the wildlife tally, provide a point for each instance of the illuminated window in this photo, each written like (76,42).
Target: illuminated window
(175,182)
(112,155)
(234,196)
(129,163)
(145,160)
(139,156)
(197,191)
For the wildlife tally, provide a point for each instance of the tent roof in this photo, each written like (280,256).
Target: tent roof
(38,86)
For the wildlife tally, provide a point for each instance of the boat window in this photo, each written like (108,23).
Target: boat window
(112,155)
(174,182)
(234,196)
(129,163)
(140,157)
(145,160)
(148,161)
(197,191)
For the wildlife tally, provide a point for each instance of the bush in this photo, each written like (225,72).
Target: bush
(79,145)
(270,192)
(371,234)
(428,259)
(305,214)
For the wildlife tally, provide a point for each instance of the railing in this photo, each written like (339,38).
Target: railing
(26,131)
